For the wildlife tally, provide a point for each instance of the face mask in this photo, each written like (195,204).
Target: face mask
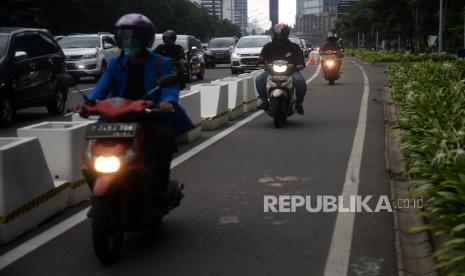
(132,48)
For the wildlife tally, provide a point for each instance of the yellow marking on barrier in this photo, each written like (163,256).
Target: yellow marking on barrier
(237,107)
(251,101)
(35,202)
(215,117)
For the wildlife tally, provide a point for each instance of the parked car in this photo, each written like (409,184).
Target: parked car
(30,60)
(88,54)
(194,55)
(219,51)
(246,52)
(306,48)
(297,41)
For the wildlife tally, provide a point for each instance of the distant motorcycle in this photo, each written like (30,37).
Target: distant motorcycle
(281,91)
(331,66)
(114,166)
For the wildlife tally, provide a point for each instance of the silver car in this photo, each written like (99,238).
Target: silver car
(245,54)
(88,54)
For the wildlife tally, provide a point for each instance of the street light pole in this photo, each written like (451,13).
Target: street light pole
(440,25)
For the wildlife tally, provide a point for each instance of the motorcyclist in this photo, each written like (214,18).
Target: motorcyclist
(134,73)
(281,48)
(332,45)
(175,52)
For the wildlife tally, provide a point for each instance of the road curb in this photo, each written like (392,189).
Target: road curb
(414,249)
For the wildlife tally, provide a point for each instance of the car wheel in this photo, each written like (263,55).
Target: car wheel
(58,104)
(234,71)
(102,70)
(6,112)
(212,66)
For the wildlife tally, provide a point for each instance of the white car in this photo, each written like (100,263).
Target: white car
(88,54)
(246,53)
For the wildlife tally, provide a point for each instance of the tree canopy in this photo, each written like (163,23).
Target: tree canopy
(410,20)
(71,16)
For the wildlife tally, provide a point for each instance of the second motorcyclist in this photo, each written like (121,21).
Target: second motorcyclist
(281,48)
(175,52)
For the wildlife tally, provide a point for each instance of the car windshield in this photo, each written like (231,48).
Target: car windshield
(3,42)
(221,43)
(296,40)
(79,42)
(253,42)
(181,42)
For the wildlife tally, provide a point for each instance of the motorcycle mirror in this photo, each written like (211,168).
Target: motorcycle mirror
(167,81)
(65,80)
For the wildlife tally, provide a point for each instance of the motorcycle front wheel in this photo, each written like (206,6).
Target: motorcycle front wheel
(107,236)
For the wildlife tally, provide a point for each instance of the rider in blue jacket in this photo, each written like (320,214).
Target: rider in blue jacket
(132,75)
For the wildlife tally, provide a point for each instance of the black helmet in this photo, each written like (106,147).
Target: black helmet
(135,26)
(169,37)
(281,32)
(331,37)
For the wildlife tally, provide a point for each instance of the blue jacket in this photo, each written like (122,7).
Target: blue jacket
(114,81)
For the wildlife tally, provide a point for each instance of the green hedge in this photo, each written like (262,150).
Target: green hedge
(383,56)
(431,100)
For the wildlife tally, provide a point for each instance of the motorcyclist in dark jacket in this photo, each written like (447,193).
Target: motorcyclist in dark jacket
(175,52)
(281,48)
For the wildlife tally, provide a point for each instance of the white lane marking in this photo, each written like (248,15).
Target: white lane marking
(314,75)
(337,262)
(86,89)
(55,231)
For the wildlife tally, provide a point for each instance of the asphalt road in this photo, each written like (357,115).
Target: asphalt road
(221,227)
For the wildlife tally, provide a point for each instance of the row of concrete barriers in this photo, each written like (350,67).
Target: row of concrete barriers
(40,168)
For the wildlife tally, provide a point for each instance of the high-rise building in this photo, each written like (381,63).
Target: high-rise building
(315,18)
(240,13)
(274,12)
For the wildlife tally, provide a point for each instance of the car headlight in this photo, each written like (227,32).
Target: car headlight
(279,68)
(330,63)
(208,52)
(110,164)
(87,56)
(235,55)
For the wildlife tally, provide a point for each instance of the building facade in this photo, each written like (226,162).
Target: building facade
(315,18)
(240,13)
(214,7)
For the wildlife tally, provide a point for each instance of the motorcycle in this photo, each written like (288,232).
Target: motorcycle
(113,164)
(331,66)
(281,91)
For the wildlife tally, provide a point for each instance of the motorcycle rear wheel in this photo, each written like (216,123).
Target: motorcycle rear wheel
(107,236)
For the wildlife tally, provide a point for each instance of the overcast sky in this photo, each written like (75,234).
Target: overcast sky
(260,9)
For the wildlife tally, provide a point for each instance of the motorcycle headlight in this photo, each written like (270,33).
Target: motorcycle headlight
(110,164)
(279,68)
(330,63)
(88,56)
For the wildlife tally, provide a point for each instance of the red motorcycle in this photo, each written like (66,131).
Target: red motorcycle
(113,163)
(331,63)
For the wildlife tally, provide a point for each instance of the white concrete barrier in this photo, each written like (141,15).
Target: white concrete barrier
(190,101)
(214,104)
(62,144)
(235,96)
(28,194)
(250,99)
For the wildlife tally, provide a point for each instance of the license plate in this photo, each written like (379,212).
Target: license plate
(111,130)
(220,56)
(279,78)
